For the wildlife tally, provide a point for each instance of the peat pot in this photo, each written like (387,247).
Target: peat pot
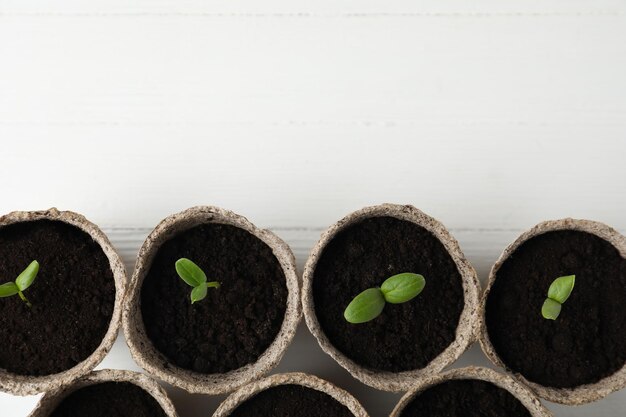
(237,332)
(580,356)
(407,341)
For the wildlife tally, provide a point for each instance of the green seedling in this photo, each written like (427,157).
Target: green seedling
(558,293)
(396,289)
(194,277)
(24,280)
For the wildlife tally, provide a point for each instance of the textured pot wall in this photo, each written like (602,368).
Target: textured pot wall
(569,396)
(466,330)
(518,390)
(150,359)
(296,378)
(29,385)
(50,400)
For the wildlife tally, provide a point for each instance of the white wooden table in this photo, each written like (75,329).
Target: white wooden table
(490,117)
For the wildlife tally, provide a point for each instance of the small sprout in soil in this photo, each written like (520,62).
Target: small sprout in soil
(558,293)
(24,280)
(194,277)
(396,289)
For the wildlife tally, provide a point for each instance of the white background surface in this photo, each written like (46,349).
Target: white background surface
(490,117)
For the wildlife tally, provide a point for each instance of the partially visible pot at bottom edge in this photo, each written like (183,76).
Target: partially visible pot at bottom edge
(94,395)
(462,390)
(296,393)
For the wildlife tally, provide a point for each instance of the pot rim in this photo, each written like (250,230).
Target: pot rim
(51,399)
(581,394)
(152,361)
(29,385)
(292,378)
(467,325)
(515,388)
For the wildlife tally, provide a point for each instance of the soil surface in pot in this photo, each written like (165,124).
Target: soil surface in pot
(405,336)
(109,399)
(291,401)
(235,323)
(465,398)
(587,342)
(72,297)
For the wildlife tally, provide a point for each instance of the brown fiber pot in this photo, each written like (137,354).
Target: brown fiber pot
(306,380)
(519,391)
(569,396)
(30,385)
(51,399)
(153,361)
(467,326)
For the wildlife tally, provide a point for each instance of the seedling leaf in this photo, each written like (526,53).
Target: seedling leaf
(190,272)
(365,307)
(403,287)
(198,293)
(26,277)
(8,289)
(194,277)
(561,288)
(551,309)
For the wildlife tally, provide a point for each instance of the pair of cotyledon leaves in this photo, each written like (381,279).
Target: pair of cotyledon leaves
(24,280)
(396,289)
(194,277)
(559,291)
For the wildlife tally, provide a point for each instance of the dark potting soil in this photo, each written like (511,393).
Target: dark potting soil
(465,398)
(291,401)
(109,399)
(235,323)
(587,342)
(72,297)
(405,336)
